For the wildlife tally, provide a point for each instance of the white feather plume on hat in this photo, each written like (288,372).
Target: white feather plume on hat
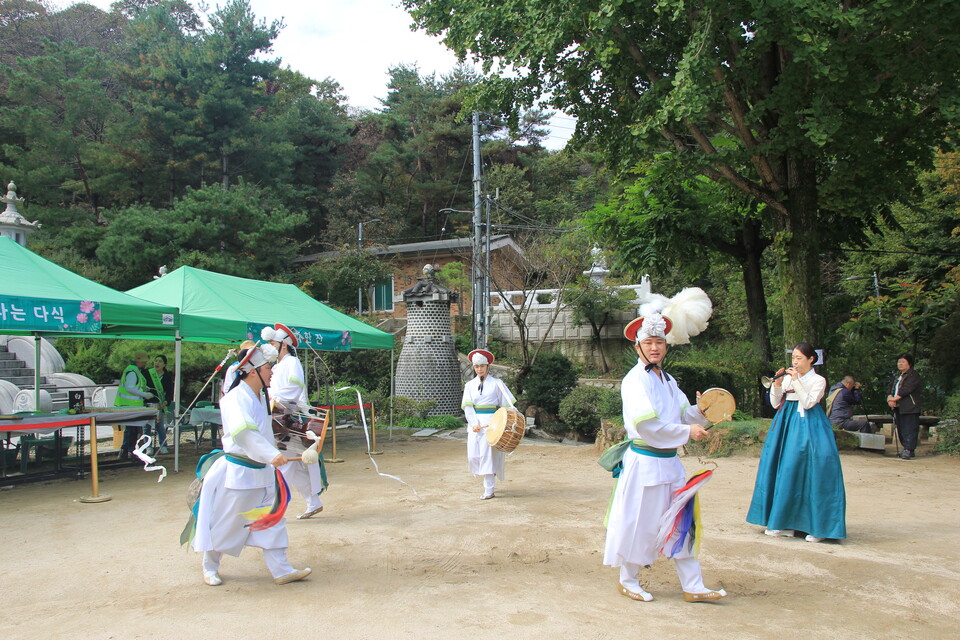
(267,334)
(689,311)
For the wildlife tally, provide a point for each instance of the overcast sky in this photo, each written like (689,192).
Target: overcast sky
(355,42)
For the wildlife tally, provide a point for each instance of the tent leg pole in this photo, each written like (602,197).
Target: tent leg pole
(373,430)
(392,391)
(36,372)
(176,407)
(94,470)
(333,425)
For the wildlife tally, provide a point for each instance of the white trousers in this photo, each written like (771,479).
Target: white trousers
(688,570)
(489,480)
(275,559)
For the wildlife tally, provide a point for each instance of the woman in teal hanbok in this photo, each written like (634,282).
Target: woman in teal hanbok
(799,483)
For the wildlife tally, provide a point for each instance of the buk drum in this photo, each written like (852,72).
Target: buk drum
(717,405)
(506,429)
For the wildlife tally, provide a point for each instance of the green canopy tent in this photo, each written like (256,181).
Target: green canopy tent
(226,309)
(219,308)
(39,297)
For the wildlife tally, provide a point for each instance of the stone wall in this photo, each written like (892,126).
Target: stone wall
(574,342)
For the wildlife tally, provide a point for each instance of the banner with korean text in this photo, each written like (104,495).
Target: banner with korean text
(19,313)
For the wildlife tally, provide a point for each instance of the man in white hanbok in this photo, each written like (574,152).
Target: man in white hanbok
(482,396)
(289,395)
(658,419)
(242,478)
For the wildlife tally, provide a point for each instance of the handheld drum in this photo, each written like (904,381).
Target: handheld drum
(506,429)
(717,405)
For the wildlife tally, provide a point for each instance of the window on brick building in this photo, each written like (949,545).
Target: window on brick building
(383,295)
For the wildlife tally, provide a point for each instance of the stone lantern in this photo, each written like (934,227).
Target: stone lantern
(598,270)
(428,367)
(12,224)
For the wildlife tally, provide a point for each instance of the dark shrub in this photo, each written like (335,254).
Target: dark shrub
(583,407)
(549,380)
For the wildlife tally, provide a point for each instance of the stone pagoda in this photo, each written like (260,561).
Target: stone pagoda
(428,367)
(12,224)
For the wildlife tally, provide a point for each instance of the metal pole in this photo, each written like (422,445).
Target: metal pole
(392,389)
(360,289)
(94,470)
(474,261)
(177,358)
(486,284)
(333,426)
(876,291)
(373,432)
(36,376)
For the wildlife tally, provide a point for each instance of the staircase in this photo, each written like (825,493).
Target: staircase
(16,372)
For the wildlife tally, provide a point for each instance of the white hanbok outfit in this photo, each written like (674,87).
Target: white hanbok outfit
(287,387)
(231,488)
(657,412)
(480,402)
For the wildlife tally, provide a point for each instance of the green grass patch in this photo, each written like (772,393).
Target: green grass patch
(728,438)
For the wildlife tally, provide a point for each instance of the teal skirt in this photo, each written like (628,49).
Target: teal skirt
(799,481)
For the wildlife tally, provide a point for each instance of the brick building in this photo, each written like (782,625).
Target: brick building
(407,261)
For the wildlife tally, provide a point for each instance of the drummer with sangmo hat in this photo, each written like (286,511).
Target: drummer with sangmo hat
(658,419)
(482,396)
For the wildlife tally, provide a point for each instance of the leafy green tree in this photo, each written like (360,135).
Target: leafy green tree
(242,231)
(670,219)
(336,278)
(60,108)
(779,99)
(455,276)
(595,303)
(164,145)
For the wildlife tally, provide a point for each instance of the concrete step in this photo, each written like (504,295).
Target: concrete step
(24,381)
(14,368)
(6,355)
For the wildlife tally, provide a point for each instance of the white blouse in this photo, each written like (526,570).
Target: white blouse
(805,390)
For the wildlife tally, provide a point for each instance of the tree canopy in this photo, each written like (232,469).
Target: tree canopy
(816,110)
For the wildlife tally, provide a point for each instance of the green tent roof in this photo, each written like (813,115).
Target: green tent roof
(219,308)
(24,274)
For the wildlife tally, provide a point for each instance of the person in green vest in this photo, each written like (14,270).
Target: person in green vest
(160,381)
(132,392)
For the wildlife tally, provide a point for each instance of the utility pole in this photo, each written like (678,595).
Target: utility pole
(476,280)
(486,277)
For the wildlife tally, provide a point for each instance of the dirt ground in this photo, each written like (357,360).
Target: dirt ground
(448,565)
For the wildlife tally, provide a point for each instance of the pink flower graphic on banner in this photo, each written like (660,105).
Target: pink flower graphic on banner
(96,315)
(81,318)
(86,306)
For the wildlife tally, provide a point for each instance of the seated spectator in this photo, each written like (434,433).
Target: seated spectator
(840,401)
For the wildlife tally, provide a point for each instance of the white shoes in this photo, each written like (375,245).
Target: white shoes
(814,539)
(310,513)
(707,596)
(212,579)
(299,574)
(786,533)
(639,595)
(487,496)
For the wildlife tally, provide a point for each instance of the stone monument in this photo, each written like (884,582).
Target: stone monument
(428,367)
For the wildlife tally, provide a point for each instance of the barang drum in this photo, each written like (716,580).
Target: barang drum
(506,429)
